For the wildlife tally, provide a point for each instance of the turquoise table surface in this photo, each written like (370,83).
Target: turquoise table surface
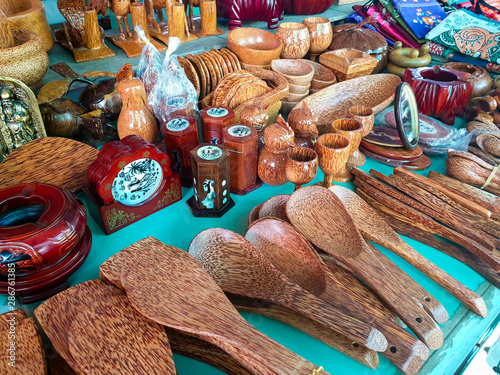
(175,225)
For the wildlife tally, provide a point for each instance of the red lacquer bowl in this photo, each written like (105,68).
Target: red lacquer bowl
(440,93)
(307,6)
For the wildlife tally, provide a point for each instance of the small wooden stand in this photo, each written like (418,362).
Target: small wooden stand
(211,181)
(90,46)
(241,142)
(181,136)
(206,23)
(133,45)
(213,120)
(130,179)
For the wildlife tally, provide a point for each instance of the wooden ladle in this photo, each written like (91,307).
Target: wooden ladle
(239,268)
(313,204)
(160,288)
(288,251)
(377,230)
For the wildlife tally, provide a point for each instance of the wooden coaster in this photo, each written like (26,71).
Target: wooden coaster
(14,317)
(214,78)
(200,66)
(393,152)
(110,337)
(191,73)
(61,162)
(29,358)
(57,313)
(215,62)
(221,62)
(227,60)
(235,60)
(201,74)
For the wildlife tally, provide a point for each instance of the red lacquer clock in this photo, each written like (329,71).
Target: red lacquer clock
(130,180)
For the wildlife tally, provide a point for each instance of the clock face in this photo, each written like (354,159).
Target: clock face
(137,182)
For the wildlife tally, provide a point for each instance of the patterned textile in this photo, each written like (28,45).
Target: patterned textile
(420,15)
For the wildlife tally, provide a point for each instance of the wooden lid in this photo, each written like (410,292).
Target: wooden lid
(240,138)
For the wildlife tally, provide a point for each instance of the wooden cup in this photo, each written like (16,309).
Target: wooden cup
(333,151)
(208,12)
(301,166)
(363,114)
(321,35)
(352,129)
(92,33)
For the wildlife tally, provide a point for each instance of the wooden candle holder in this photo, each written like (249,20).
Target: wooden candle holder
(121,164)
(180,135)
(213,120)
(130,41)
(242,143)
(211,181)
(206,23)
(82,35)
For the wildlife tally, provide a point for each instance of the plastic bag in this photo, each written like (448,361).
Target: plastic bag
(457,139)
(150,64)
(174,95)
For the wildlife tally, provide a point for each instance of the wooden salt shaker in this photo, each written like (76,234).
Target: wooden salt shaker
(213,120)
(241,141)
(211,181)
(180,135)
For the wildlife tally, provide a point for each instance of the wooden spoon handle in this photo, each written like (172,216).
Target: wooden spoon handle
(330,337)
(367,267)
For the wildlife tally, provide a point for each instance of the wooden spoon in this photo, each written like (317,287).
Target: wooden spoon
(254,213)
(288,251)
(377,230)
(160,288)
(275,207)
(239,268)
(313,204)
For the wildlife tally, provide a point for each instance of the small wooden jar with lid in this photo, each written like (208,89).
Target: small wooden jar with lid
(242,141)
(211,181)
(213,120)
(180,135)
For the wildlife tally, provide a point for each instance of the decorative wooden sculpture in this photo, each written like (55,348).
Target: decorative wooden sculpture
(30,15)
(135,117)
(20,119)
(180,135)
(44,239)
(21,55)
(211,181)
(256,115)
(278,138)
(402,58)
(440,93)
(128,40)
(213,120)
(82,34)
(241,142)
(130,180)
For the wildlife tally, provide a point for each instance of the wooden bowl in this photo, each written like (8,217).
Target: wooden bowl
(296,72)
(318,85)
(321,72)
(30,15)
(254,46)
(295,38)
(250,66)
(295,97)
(27,61)
(296,89)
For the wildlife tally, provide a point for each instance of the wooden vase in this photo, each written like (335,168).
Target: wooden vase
(301,166)
(333,151)
(135,117)
(351,129)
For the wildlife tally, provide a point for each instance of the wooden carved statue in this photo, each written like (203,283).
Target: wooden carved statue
(120,8)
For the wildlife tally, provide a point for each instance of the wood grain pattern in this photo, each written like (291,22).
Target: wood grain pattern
(28,352)
(110,337)
(275,207)
(14,317)
(296,259)
(424,222)
(364,265)
(239,268)
(337,341)
(188,303)
(377,230)
(254,214)
(58,161)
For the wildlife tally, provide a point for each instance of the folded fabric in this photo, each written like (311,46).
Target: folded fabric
(470,35)
(392,21)
(490,8)
(420,15)
(387,4)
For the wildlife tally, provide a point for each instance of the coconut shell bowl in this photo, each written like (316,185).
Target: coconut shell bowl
(254,46)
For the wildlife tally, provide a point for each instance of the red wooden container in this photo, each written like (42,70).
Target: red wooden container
(130,180)
(242,143)
(181,136)
(213,120)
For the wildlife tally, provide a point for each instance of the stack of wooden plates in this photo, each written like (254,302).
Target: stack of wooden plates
(396,156)
(206,69)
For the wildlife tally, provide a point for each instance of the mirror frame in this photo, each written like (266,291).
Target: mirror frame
(404,87)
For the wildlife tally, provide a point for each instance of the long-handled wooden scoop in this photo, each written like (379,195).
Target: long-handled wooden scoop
(239,268)
(288,251)
(310,205)
(170,287)
(374,228)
